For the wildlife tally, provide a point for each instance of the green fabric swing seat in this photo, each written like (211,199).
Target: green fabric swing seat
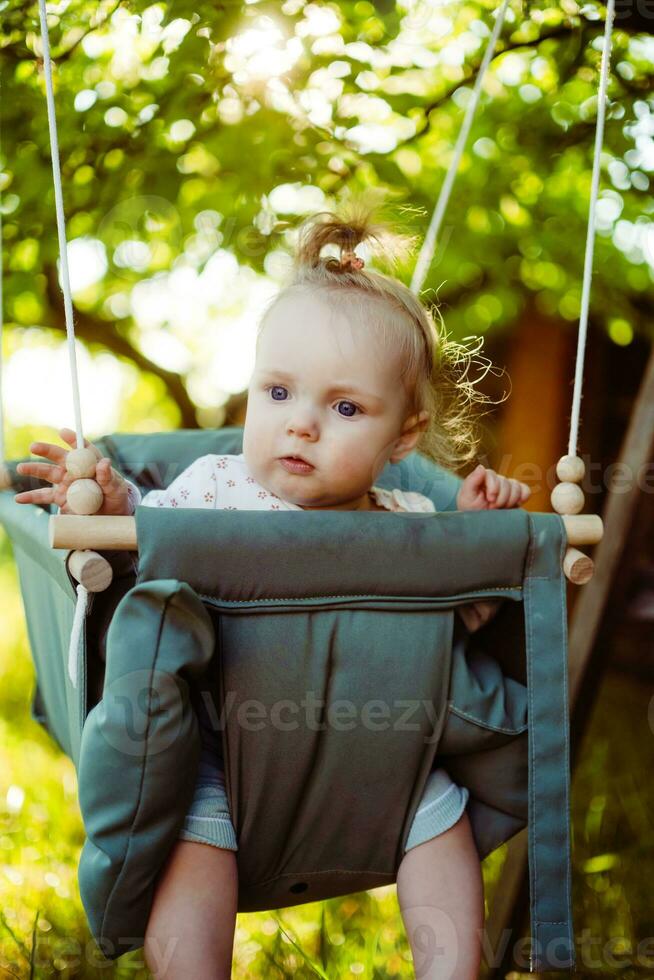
(265,615)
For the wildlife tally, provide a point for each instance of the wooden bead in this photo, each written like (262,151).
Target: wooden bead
(80,463)
(577,566)
(92,570)
(84,497)
(570,469)
(567,498)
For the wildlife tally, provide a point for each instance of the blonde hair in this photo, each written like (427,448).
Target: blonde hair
(436,369)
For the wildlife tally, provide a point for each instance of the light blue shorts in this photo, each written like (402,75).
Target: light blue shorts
(208,820)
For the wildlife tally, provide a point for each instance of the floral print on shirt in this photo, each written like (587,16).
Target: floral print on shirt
(222,482)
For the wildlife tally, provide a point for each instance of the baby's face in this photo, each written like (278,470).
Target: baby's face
(320,390)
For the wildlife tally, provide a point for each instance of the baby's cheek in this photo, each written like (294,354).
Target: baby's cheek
(354,467)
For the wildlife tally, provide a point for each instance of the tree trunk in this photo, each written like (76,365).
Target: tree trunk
(533,428)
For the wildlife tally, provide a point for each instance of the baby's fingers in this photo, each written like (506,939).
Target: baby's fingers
(56,453)
(106,476)
(112,483)
(520,493)
(44,495)
(42,471)
(492,486)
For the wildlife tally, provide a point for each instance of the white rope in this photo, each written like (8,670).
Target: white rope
(82,594)
(426,253)
(76,633)
(590,237)
(61,221)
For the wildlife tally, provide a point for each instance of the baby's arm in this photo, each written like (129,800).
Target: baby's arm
(484,489)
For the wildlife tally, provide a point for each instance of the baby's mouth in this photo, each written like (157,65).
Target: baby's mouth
(295,464)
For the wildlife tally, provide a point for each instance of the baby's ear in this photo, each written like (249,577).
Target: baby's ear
(414,426)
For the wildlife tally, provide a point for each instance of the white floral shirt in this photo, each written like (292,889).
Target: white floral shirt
(224,483)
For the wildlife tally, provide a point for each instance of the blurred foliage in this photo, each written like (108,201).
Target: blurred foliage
(190,127)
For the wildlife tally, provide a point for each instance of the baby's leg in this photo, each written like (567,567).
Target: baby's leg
(190,932)
(441,894)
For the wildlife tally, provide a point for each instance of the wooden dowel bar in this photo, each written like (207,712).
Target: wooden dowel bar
(72,531)
(119,533)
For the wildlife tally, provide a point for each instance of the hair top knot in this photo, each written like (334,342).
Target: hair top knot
(360,220)
(349,260)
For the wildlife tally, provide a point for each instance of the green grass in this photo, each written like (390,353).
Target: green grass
(43,930)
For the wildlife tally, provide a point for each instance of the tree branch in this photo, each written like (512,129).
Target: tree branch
(95,331)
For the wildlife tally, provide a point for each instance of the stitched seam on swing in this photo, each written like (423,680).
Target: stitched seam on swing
(566,733)
(142,777)
(327,871)
(530,689)
(356,595)
(483,724)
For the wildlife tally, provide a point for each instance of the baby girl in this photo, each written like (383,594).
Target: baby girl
(351,374)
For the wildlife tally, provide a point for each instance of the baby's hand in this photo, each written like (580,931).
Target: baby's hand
(113,486)
(484,489)
(477,614)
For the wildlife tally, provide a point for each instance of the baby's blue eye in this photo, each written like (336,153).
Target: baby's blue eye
(352,406)
(277,388)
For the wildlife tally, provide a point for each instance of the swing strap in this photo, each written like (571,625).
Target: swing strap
(552,946)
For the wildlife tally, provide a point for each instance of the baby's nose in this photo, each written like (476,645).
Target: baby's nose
(303,423)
